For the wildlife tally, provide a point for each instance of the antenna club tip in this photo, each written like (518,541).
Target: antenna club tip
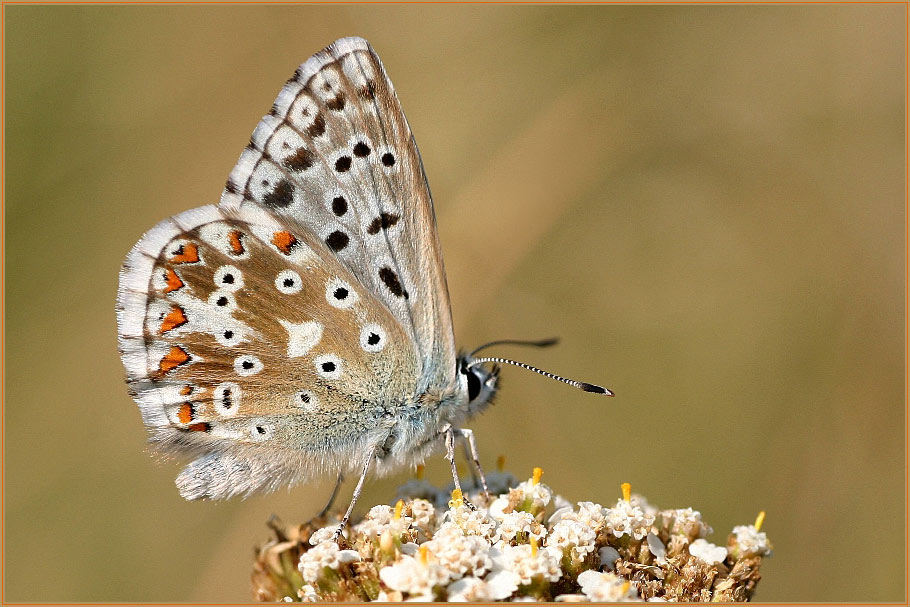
(595,389)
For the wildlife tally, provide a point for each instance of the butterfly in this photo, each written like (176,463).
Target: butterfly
(302,326)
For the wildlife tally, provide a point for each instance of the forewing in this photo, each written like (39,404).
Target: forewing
(245,341)
(336,155)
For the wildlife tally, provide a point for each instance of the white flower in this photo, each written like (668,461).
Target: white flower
(626,519)
(708,552)
(572,538)
(588,513)
(532,496)
(657,548)
(570,598)
(513,523)
(307,594)
(748,540)
(424,517)
(471,522)
(382,518)
(322,555)
(458,553)
(324,534)
(685,522)
(496,587)
(606,587)
(415,576)
(528,562)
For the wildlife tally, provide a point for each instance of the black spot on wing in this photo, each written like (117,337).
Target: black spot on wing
(282,196)
(361,149)
(383,222)
(343,164)
(339,206)
(317,128)
(336,103)
(300,160)
(390,279)
(337,240)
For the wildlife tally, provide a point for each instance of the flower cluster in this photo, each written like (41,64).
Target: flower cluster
(522,543)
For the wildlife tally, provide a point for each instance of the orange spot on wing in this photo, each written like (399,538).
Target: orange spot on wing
(187,253)
(200,427)
(185,413)
(174,319)
(285,241)
(235,243)
(171,280)
(173,359)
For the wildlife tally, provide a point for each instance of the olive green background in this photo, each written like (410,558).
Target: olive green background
(705,203)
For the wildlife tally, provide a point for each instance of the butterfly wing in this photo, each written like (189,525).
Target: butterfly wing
(336,156)
(247,342)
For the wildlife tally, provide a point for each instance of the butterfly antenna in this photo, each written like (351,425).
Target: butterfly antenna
(578,384)
(543,343)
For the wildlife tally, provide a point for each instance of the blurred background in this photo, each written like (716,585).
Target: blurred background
(706,203)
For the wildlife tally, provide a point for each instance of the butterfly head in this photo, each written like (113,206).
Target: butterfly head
(480,382)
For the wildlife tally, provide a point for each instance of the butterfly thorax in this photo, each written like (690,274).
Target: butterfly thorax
(419,425)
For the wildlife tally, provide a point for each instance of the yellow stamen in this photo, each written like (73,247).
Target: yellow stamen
(420,470)
(538,472)
(759,520)
(424,555)
(500,463)
(398,508)
(626,491)
(625,587)
(457,500)
(533,546)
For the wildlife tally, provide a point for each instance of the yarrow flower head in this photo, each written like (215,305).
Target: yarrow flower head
(460,554)
(627,519)
(748,540)
(384,518)
(685,522)
(498,551)
(572,539)
(532,495)
(518,526)
(708,552)
(471,522)
(529,562)
(606,587)
(324,555)
(415,575)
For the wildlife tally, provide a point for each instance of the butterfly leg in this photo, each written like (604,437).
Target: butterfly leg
(450,455)
(468,436)
(328,505)
(357,491)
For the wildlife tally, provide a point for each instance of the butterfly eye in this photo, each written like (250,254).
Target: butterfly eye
(288,282)
(223,301)
(228,278)
(372,338)
(328,366)
(340,294)
(305,400)
(247,365)
(226,399)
